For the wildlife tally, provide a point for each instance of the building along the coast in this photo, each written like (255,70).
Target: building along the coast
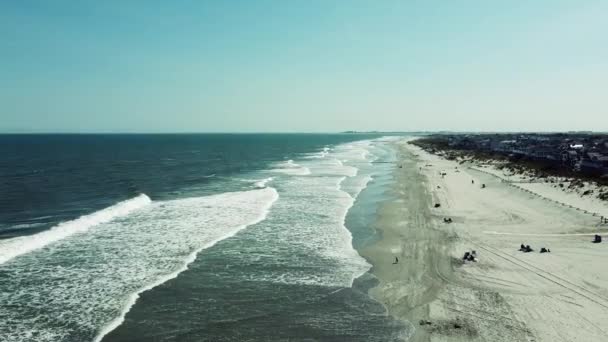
(578,152)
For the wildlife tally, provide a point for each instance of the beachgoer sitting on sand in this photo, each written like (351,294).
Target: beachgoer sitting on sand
(597,239)
(545,250)
(483,186)
(522,247)
(472,256)
(396,261)
(472,181)
(528,249)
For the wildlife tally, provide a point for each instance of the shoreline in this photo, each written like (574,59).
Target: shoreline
(507,295)
(407,287)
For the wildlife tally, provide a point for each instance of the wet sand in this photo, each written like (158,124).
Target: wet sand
(507,295)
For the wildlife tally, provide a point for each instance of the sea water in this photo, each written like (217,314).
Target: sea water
(191,238)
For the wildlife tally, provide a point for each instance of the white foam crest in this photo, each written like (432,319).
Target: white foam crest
(262,183)
(349,203)
(291,168)
(354,152)
(316,228)
(88,282)
(357,184)
(311,221)
(14,247)
(333,166)
(274,196)
(319,155)
(27,225)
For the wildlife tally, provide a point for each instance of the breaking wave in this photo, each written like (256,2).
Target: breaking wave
(291,168)
(92,280)
(14,247)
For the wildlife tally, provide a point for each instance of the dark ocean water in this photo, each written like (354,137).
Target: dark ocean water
(190,237)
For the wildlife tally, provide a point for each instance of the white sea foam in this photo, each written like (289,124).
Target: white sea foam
(273,196)
(307,230)
(319,155)
(11,248)
(309,221)
(42,217)
(90,281)
(291,168)
(356,185)
(262,183)
(27,225)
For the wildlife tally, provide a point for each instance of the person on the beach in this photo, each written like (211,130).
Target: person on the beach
(396,261)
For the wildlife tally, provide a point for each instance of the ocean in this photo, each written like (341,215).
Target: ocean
(191,237)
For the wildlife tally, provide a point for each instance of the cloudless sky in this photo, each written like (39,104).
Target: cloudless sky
(305,66)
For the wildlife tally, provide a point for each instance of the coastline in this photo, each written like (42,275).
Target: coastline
(312,292)
(408,232)
(507,295)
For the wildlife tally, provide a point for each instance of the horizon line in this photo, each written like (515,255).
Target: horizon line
(297,132)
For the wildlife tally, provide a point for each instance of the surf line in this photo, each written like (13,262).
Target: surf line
(17,246)
(132,299)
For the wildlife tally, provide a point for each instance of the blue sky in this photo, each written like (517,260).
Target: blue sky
(293,66)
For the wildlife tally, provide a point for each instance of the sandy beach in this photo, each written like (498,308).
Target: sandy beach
(507,295)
